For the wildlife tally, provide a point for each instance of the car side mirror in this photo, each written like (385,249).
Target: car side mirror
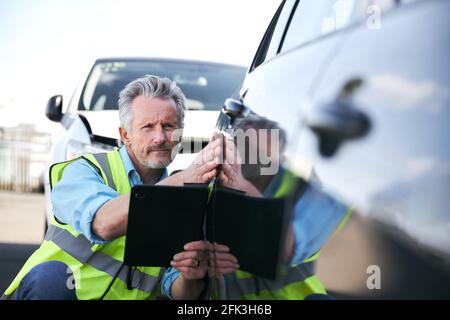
(232,110)
(54,108)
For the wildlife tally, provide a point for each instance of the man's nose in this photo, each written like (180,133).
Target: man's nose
(159,136)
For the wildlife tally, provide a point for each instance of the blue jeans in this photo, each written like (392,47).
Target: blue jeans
(47,281)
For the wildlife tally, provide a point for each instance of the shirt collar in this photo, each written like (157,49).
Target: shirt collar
(129,167)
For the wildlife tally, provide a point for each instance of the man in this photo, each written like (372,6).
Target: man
(82,254)
(315,216)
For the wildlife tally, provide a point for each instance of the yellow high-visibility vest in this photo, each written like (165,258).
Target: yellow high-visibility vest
(94,266)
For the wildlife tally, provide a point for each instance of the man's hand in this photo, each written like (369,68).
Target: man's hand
(231,174)
(200,258)
(193,266)
(193,261)
(221,261)
(204,166)
(203,169)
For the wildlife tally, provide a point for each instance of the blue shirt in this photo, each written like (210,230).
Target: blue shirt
(316,215)
(82,191)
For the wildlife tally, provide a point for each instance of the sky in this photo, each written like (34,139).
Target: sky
(47,45)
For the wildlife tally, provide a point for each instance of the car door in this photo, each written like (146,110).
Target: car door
(296,48)
(392,79)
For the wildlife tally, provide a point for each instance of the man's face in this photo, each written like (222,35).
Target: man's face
(152,139)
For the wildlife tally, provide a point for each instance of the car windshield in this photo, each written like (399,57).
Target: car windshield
(205,85)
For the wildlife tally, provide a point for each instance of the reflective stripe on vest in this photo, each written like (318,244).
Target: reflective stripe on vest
(79,248)
(102,160)
(252,285)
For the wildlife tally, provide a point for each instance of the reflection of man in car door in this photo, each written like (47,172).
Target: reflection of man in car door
(315,216)
(82,254)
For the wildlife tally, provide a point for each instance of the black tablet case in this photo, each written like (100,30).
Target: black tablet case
(162,219)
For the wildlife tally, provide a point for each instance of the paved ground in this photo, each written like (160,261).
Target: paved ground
(21,230)
(342,266)
(22,217)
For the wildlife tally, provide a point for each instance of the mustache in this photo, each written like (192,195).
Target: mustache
(162,147)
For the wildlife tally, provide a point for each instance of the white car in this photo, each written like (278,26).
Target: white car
(90,123)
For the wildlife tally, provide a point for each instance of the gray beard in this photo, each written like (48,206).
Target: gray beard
(152,165)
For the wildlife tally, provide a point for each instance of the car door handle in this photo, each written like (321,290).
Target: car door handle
(339,120)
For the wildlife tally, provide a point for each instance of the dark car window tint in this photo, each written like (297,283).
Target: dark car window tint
(313,19)
(263,48)
(279,30)
(206,86)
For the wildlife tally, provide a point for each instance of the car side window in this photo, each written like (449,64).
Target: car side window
(282,24)
(313,19)
(263,48)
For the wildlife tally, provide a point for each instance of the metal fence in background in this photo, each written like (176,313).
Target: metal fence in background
(23,158)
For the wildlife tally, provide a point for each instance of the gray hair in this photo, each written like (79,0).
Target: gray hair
(150,86)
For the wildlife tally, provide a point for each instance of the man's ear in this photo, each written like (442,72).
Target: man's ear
(124,136)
